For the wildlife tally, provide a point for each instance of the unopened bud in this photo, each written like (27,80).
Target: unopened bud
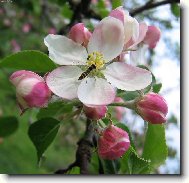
(80,34)
(152,36)
(31,89)
(113,143)
(153,108)
(95,113)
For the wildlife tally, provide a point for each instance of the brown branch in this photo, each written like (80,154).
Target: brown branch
(151,5)
(84,151)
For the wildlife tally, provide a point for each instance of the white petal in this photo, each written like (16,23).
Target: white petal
(131,28)
(139,56)
(107,38)
(127,77)
(64,51)
(63,81)
(96,91)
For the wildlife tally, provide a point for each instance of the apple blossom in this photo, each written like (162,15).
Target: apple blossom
(152,108)
(31,89)
(95,113)
(80,34)
(87,73)
(113,143)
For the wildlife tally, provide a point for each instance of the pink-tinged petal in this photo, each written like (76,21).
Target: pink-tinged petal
(143,28)
(127,77)
(131,27)
(80,34)
(26,85)
(17,76)
(152,36)
(118,13)
(64,51)
(64,82)
(96,91)
(107,38)
(139,56)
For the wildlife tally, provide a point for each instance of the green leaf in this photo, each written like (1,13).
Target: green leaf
(42,133)
(128,95)
(54,109)
(94,164)
(8,125)
(66,11)
(28,60)
(131,163)
(157,87)
(155,148)
(110,166)
(175,9)
(116,3)
(74,171)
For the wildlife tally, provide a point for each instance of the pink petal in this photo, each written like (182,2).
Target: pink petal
(64,82)
(152,36)
(118,13)
(107,38)
(64,51)
(127,77)
(96,91)
(17,76)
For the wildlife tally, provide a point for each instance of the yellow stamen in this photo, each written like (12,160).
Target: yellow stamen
(97,59)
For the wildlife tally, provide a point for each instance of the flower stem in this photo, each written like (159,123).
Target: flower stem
(128,104)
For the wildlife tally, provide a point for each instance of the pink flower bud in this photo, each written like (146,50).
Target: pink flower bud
(113,143)
(95,113)
(80,34)
(153,108)
(31,89)
(152,36)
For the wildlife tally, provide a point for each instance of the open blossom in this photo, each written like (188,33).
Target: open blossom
(80,34)
(153,108)
(87,73)
(113,143)
(31,89)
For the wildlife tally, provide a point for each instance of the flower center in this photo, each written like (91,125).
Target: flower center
(97,59)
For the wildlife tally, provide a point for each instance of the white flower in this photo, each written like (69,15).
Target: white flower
(87,73)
